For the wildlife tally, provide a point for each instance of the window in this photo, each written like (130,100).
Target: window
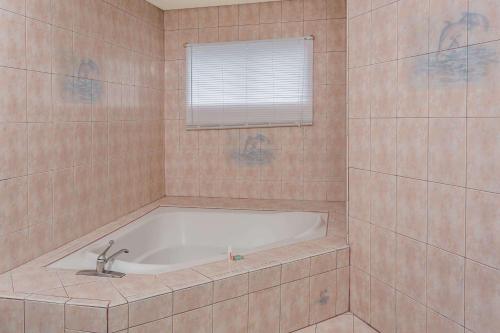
(249,84)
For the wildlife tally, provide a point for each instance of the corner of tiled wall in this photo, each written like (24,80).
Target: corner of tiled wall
(424,155)
(81,104)
(307,163)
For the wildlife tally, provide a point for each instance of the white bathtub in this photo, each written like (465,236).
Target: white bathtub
(170,238)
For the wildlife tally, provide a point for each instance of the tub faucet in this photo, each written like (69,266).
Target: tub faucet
(102,260)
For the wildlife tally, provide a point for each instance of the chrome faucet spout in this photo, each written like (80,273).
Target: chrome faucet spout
(111,257)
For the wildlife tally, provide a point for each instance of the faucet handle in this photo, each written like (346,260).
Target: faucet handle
(103,254)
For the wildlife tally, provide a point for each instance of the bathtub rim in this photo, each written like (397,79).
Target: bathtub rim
(151,209)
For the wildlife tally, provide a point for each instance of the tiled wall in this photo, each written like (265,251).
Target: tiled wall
(424,161)
(305,163)
(80,118)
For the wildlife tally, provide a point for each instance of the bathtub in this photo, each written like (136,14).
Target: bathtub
(171,238)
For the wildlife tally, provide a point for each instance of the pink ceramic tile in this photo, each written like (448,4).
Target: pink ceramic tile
(40,152)
(323,263)
(270,12)
(269,31)
(359,143)
(83,315)
(412,141)
(39,96)
(314,9)
(293,10)
(39,9)
(17,245)
(231,315)
(481,297)
(294,305)
(83,142)
(447,217)
(336,35)
(437,323)
(342,303)
(383,145)
(248,14)
(38,42)
(171,19)
(447,150)
(63,153)
(410,315)
(359,100)
(361,327)
(13,95)
(139,285)
(412,208)
(264,311)
(309,329)
(13,154)
(385,33)
(230,287)
(489,30)
(360,293)
(384,89)
(118,318)
(188,18)
(192,297)
(322,296)
(44,317)
(228,15)
(382,306)
(359,194)
(413,28)
(482,81)
(411,268)
(293,29)
(383,255)
(336,9)
(208,17)
(264,278)
(441,12)
(445,283)
(104,291)
(359,242)
(40,238)
(483,243)
(158,326)
(62,51)
(356,7)
(413,86)
(40,198)
(360,41)
(150,309)
(248,32)
(343,258)
(14,6)
(12,315)
(12,39)
(199,320)
(14,204)
(483,154)
(447,96)
(383,200)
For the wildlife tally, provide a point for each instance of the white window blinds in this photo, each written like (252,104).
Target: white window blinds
(250,83)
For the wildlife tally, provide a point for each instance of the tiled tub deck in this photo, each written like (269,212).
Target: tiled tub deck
(278,290)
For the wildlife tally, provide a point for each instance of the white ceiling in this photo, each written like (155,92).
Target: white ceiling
(177,4)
